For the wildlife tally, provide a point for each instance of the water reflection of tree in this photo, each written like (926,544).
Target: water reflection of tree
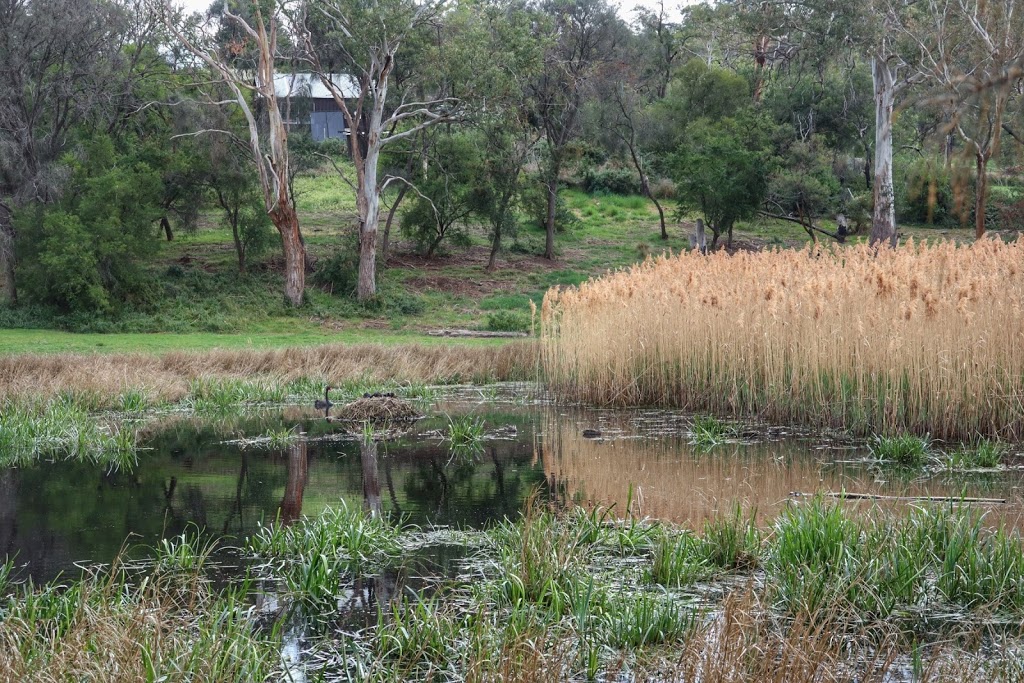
(371,477)
(298,474)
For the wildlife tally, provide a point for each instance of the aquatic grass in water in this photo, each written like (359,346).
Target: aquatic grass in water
(133,402)
(186,552)
(465,430)
(312,555)
(906,449)
(979,454)
(729,543)
(219,395)
(645,619)
(708,431)
(62,429)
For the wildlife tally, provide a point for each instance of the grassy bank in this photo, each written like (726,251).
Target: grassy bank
(922,339)
(102,381)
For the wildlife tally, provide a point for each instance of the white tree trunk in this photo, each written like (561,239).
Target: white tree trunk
(369,196)
(883,224)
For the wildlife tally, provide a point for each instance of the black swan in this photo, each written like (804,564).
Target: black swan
(326,403)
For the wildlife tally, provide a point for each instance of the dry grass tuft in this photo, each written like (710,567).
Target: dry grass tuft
(105,629)
(167,377)
(923,338)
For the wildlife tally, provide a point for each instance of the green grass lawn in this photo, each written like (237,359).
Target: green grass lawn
(53,341)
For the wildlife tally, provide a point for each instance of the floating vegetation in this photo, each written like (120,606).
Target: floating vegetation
(707,431)
(465,431)
(978,454)
(905,449)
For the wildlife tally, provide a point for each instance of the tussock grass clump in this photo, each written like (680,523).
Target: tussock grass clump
(729,543)
(708,431)
(62,429)
(925,339)
(313,555)
(906,449)
(977,454)
(821,558)
(465,430)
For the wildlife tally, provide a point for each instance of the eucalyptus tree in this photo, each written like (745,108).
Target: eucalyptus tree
(248,70)
(63,64)
(585,35)
(363,43)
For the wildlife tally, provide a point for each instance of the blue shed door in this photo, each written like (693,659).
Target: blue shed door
(327,124)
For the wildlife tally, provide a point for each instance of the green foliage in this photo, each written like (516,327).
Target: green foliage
(465,430)
(339,272)
(981,453)
(621,181)
(925,191)
(83,253)
(445,199)
(508,321)
(645,619)
(534,196)
(313,554)
(61,428)
(721,170)
(708,431)
(904,449)
(806,186)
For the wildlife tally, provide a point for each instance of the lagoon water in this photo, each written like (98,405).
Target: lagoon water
(206,472)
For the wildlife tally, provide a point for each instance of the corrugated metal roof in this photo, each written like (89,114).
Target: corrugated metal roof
(308,85)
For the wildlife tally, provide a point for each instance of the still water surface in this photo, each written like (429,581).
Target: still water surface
(195,471)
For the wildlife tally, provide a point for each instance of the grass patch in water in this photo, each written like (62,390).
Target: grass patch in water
(113,626)
(61,429)
(465,430)
(313,555)
(979,454)
(708,431)
(904,449)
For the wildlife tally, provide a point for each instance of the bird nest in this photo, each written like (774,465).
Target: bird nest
(378,409)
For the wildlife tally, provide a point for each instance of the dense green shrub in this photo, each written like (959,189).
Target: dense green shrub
(611,181)
(925,192)
(508,321)
(534,199)
(83,253)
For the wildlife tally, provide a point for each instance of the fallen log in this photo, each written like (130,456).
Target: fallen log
(878,496)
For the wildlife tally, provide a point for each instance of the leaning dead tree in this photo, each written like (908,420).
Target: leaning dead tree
(362,42)
(267,138)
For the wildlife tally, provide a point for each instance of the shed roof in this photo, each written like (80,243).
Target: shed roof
(309,85)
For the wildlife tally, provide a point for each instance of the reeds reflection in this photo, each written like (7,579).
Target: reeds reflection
(671,479)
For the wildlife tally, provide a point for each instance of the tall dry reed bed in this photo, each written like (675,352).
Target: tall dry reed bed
(169,377)
(923,338)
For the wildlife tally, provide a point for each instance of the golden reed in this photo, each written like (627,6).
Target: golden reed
(927,338)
